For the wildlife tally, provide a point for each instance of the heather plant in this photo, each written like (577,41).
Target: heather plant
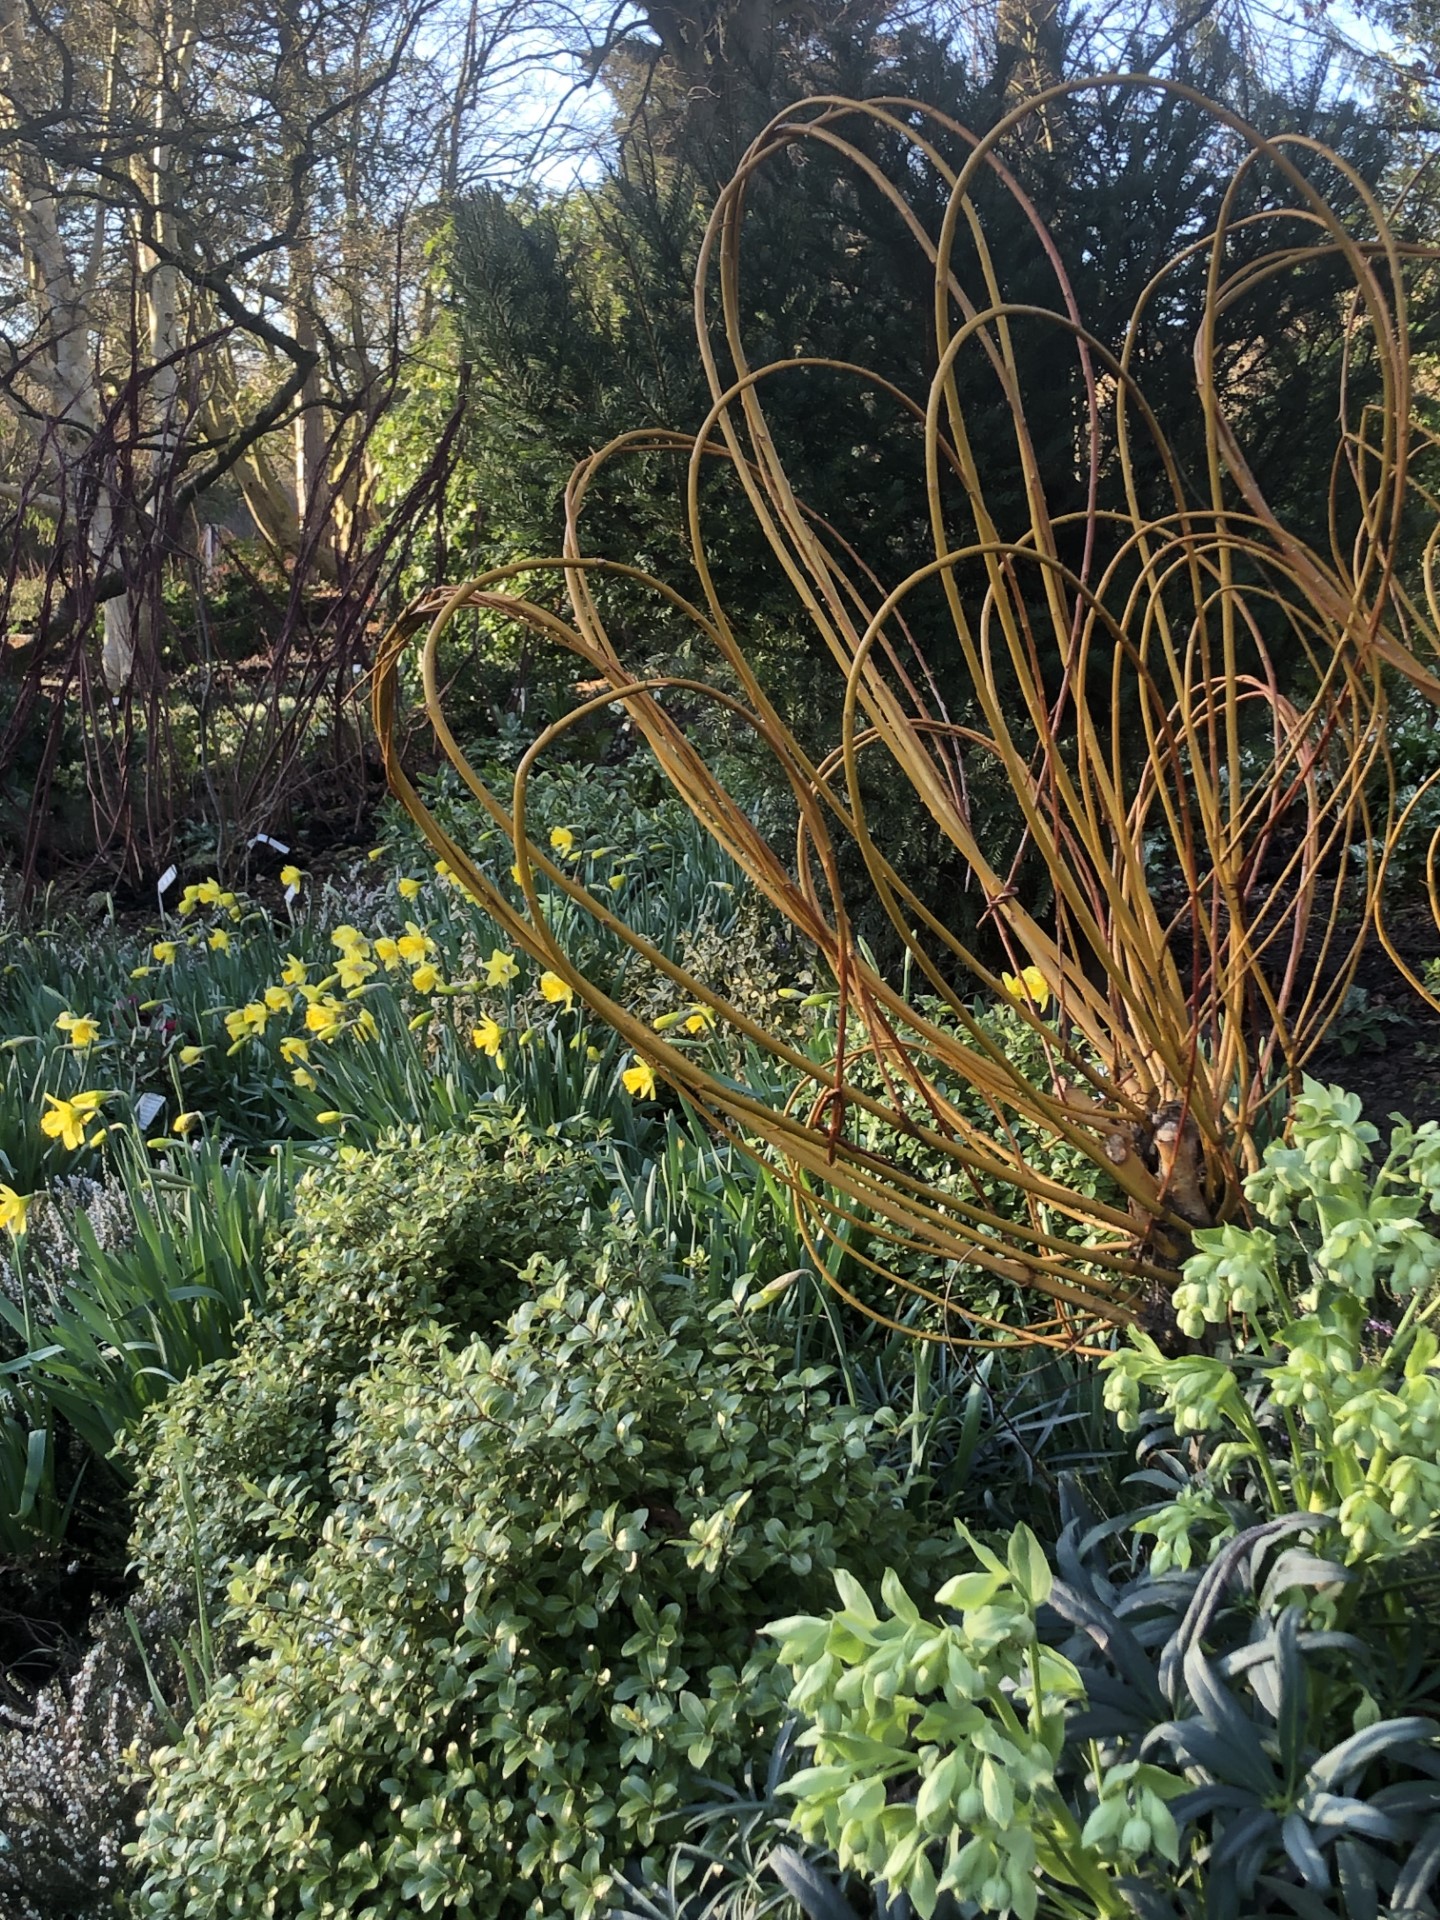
(69,1786)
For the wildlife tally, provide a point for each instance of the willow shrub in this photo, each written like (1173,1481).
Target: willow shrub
(493,1596)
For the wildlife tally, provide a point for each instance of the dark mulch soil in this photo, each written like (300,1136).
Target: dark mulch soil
(1388,1049)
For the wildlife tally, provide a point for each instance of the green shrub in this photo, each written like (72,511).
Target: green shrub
(380,1240)
(527,1626)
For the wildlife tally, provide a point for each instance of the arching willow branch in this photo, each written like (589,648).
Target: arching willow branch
(1080,633)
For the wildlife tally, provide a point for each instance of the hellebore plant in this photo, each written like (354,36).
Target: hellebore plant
(1322,1395)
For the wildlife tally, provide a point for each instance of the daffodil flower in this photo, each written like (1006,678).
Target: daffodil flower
(414,944)
(500,968)
(13,1209)
(350,940)
(247,1022)
(388,953)
(638,1080)
(489,1037)
(616,881)
(700,1020)
(557,991)
(325,1017)
(69,1120)
(1029,984)
(427,978)
(292,1047)
(562,841)
(279,999)
(219,940)
(164,951)
(291,878)
(189,1055)
(294,972)
(206,894)
(303,1078)
(83,1031)
(184,1123)
(354,971)
(408,888)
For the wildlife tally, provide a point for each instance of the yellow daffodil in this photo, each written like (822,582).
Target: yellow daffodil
(303,1078)
(488,1037)
(13,1209)
(701,1020)
(592,1053)
(164,951)
(354,971)
(68,1120)
(189,1055)
(83,1031)
(350,940)
(230,904)
(184,1123)
(219,940)
(140,973)
(325,1017)
(291,877)
(562,841)
(376,853)
(365,1025)
(500,968)
(292,1047)
(557,991)
(388,953)
(427,978)
(206,894)
(414,944)
(408,888)
(247,1022)
(279,999)
(330,1119)
(515,873)
(1029,984)
(617,880)
(294,972)
(638,1080)
(667,1020)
